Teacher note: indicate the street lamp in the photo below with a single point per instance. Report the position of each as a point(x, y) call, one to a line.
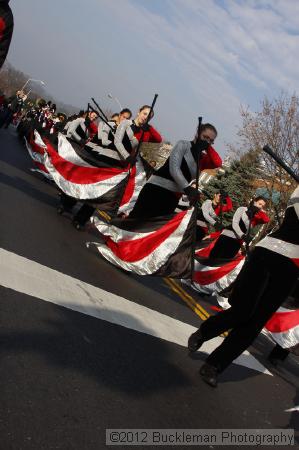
point(31, 79)
point(28, 93)
point(116, 99)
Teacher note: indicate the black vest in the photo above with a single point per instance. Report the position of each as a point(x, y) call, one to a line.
point(164, 171)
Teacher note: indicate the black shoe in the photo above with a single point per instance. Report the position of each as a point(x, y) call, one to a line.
point(278, 355)
point(195, 341)
point(77, 225)
point(209, 374)
point(274, 361)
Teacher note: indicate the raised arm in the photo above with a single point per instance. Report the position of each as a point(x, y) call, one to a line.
point(103, 134)
point(175, 162)
point(119, 136)
point(261, 217)
point(236, 221)
point(208, 212)
point(71, 132)
point(66, 127)
point(155, 135)
point(210, 160)
point(228, 204)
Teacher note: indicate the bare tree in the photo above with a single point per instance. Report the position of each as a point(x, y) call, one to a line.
point(276, 124)
point(11, 79)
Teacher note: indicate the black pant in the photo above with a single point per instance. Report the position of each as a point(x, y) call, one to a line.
point(279, 353)
point(67, 202)
point(84, 213)
point(225, 248)
point(7, 118)
point(200, 233)
point(154, 201)
point(263, 284)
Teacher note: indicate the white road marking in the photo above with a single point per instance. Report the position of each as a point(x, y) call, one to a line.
point(34, 279)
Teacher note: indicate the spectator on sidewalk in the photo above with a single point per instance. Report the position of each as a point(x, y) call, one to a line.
point(15, 104)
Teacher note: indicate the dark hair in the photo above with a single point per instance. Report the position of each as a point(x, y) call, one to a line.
point(146, 107)
point(259, 197)
point(206, 126)
point(114, 115)
point(203, 127)
point(81, 113)
point(92, 111)
point(41, 103)
point(256, 199)
point(126, 110)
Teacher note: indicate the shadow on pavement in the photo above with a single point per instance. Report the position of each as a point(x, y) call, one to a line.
point(28, 189)
point(110, 354)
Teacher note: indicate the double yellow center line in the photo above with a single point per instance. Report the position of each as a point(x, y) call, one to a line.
point(175, 287)
point(104, 215)
point(189, 300)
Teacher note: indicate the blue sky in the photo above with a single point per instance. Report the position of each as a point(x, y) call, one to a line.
point(203, 57)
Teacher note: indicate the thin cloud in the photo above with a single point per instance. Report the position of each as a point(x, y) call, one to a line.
point(203, 57)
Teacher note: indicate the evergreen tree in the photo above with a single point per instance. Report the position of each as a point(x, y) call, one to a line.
point(237, 182)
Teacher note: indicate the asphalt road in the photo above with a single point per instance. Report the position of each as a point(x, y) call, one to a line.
point(66, 376)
